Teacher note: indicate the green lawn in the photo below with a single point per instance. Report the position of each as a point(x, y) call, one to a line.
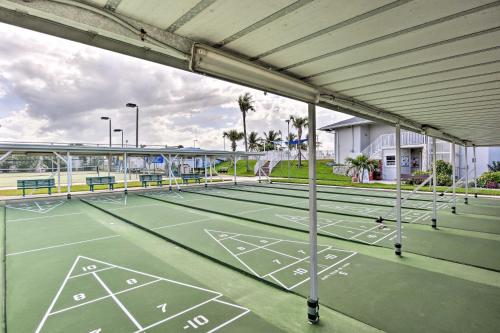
point(482, 191)
point(323, 171)
point(240, 167)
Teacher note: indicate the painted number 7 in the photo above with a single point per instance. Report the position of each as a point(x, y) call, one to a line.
point(162, 307)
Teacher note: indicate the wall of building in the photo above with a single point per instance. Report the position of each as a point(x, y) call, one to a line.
point(388, 171)
point(377, 130)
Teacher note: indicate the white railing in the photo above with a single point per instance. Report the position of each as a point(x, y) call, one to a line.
point(389, 141)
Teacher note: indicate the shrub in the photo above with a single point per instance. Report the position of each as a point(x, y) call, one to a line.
point(489, 179)
point(444, 180)
point(443, 168)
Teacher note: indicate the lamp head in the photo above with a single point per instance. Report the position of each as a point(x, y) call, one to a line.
point(117, 130)
point(131, 105)
point(104, 118)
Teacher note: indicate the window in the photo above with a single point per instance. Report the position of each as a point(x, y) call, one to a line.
point(390, 160)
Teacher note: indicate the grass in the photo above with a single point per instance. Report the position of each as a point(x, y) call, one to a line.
point(482, 191)
point(323, 171)
point(241, 169)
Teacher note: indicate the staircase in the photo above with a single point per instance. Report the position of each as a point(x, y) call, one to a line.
point(374, 150)
point(265, 169)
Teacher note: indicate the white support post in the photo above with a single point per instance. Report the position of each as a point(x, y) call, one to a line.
point(205, 167)
point(312, 301)
point(434, 183)
point(258, 165)
point(453, 176)
point(170, 172)
point(399, 237)
point(210, 163)
point(466, 199)
point(125, 172)
point(4, 156)
point(235, 161)
point(475, 174)
point(58, 176)
point(69, 168)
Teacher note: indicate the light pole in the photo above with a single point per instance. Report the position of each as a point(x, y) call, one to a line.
point(194, 143)
point(288, 145)
point(133, 105)
point(224, 138)
point(109, 158)
point(116, 130)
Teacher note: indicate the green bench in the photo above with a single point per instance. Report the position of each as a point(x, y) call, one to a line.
point(28, 184)
point(104, 180)
point(187, 176)
point(223, 170)
point(145, 179)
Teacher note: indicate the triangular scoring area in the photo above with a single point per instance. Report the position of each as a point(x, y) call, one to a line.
point(146, 299)
point(116, 199)
point(285, 262)
point(37, 206)
point(304, 220)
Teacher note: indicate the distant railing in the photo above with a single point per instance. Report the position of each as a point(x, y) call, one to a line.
point(389, 141)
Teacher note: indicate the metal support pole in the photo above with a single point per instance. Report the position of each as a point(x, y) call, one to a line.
point(258, 170)
point(110, 145)
point(235, 161)
point(58, 176)
point(399, 238)
point(454, 201)
point(125, 172)
point(475, 174)
point(466, 199)
point(137, 126)
point(170, 172)
point(205, 166)
point(68, 174)
point(434, 183)
point(313, 300)
point(210, 163)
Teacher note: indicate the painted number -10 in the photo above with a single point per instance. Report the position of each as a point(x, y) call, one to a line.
point(196, 322)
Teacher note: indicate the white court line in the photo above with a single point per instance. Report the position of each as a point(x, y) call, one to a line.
point(61, 245)
point(231, 320)
point(293, 263)
point(378, 240)
point(45, 316)
point(278, 281)
point(239, 240)
point(258, 247)
point(179, 224)
point(103, 297)
point(39, 210)
point(364, 232)
point(177, 314)
point(42, 217)
point(97, 270)
point(320, 272)
point(117, 301)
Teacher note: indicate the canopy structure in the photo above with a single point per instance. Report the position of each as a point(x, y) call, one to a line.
point(431, 66)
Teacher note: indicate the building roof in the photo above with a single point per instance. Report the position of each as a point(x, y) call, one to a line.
point(432, 66)
point(346, 123)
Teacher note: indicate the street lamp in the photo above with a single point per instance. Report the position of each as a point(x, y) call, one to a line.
point(194, 143)
point(108, 118)
point(133, 105)
point(116, 130)
point(224, 138)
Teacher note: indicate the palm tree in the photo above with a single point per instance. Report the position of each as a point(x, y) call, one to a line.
point(269, 138)
point(233, 136)
point(359, 164)
point(299, 123)
point(253, 141)
point(291, 137)
point(246, 104)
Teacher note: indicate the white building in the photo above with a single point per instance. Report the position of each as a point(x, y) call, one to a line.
point(355, 136)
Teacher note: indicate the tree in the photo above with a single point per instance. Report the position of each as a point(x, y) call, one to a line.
point(358, 165)
point(269, 138)
point(246, 105)
point(291, 137)
point(494, 166)
point(299, 123)
point(234, 136)
point(253, 141)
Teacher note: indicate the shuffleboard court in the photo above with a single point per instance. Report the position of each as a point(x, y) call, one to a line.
point(104, 284)
point(418, 239)
point(352, 283)
point(336, 197)
point(483, 223)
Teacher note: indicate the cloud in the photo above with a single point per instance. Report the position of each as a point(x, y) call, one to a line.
point(56, 90)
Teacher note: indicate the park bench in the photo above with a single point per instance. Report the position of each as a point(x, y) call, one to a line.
point(101, 180)
point(145, 179)
point(28, 184)
point(223, 170)
point(187, 176)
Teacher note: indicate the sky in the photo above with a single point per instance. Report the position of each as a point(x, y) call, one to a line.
point(55, 90)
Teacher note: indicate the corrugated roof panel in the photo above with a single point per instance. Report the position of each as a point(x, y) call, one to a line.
point(226, 17)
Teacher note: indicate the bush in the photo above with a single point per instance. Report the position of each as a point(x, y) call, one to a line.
point(489, 179)
point(443, 168)
point(444, 180)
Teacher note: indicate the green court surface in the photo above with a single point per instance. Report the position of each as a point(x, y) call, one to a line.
point(472, 222)
point(95, 280)
point(378, 292)
point(441, 243)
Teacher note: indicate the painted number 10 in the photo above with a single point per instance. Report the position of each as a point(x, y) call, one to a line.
point(196, 322)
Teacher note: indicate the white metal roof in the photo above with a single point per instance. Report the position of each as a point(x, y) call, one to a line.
point(431, 65)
